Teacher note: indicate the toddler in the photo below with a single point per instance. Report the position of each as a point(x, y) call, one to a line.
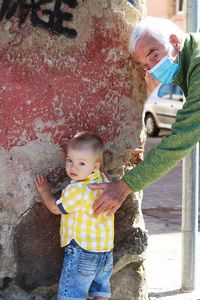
point(87, 238)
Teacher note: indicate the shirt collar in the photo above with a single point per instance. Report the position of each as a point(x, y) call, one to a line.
point(92, 177)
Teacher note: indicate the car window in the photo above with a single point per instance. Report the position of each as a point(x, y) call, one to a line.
point(177, 93)
point(170, 91)
point(165, 91)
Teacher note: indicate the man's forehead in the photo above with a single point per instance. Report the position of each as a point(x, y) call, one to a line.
point(144, 47)
point(146, 42)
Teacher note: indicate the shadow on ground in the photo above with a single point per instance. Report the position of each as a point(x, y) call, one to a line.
point(164, 294)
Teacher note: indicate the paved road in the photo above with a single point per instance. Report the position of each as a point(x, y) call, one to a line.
point(162, 214)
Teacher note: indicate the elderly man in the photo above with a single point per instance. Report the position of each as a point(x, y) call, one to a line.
point(169, 55)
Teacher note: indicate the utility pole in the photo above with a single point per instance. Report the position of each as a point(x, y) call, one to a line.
point(190, 188)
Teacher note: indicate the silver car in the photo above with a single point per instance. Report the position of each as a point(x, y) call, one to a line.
point(161, 107)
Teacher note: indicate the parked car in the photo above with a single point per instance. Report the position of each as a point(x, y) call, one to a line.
point(161, 107)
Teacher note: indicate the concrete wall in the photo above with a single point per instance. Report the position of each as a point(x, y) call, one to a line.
point(59, 77)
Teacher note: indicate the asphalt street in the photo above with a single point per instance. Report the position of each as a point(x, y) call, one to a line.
point(162, 203)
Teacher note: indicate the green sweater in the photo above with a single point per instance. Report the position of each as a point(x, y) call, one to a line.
point(186, 129)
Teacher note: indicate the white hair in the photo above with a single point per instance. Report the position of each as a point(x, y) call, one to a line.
point(159, 28)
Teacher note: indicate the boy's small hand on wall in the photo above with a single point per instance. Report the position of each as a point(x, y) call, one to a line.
point(42, 184)
point(45, 192)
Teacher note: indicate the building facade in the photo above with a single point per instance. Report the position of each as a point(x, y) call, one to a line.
point(170, 9)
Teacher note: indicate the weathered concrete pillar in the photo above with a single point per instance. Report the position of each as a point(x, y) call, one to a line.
point(64, 67)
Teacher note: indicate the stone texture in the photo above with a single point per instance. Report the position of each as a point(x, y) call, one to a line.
point(127, 279)
point(51, 87)
point(37, 250)
point(18, 195)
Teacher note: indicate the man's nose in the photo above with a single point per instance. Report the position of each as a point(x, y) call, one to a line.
point(149, 66)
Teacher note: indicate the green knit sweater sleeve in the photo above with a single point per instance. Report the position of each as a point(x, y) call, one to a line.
point(185, 134)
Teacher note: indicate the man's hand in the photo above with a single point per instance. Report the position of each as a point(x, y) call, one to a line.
point(137, 155)
point(114, 194)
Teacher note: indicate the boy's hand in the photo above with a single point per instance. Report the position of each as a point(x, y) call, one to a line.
point(46, 195)
point(42, 184)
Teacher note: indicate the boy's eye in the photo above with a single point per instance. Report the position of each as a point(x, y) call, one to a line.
point(82, 163)
point(68, 160)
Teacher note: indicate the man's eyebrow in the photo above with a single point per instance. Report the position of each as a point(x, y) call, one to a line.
point(150, 51)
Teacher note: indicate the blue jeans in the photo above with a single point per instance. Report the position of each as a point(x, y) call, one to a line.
point(85, 273)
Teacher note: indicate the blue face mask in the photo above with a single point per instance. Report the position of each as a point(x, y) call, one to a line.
point(165, 70)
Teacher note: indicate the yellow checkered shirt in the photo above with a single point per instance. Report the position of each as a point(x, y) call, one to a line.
point(92, 233)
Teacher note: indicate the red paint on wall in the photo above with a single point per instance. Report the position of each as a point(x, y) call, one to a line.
point(44, 102)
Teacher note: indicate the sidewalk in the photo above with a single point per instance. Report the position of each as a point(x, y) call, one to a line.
point(162, 214)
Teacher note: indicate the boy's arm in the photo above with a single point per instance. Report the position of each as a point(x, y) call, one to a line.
point(46, 195)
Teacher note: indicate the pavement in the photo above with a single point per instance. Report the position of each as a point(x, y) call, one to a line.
point(162, 214)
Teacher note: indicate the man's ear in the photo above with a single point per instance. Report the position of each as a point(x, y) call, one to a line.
point(176, 41)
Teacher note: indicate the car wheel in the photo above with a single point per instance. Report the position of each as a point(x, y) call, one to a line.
point(152, 128)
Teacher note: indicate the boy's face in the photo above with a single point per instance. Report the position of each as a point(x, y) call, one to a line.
point(80, 163)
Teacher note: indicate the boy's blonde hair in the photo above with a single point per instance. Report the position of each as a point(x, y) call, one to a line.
point(87, 138)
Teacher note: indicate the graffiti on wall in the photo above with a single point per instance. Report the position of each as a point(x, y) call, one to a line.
point(49, 14)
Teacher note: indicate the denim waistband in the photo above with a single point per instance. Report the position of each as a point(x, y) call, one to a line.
point(76, 245)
